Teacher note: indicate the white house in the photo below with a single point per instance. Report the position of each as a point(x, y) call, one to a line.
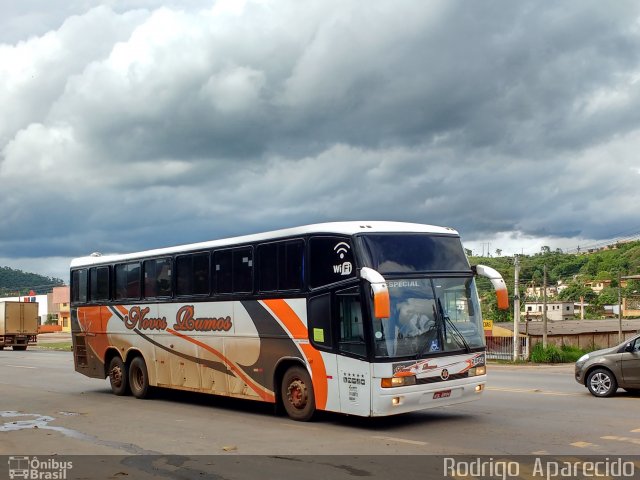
point(555, 311)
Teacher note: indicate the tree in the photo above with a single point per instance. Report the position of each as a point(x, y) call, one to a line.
point(632, 288)
point(608, 296)
point(498, 251)
point(576, 290)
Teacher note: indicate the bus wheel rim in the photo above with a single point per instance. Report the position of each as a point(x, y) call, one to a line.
point(139, 378)
point(116, 376)
point(297, 394)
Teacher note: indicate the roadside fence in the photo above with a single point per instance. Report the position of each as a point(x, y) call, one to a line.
point(501, 348)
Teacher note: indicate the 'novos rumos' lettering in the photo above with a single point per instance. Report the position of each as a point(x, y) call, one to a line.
point(185, 321)
point(137, 318)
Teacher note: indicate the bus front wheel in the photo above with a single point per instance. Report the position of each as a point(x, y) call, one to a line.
point(118, 376)
point(297, 394)
point(138, 378)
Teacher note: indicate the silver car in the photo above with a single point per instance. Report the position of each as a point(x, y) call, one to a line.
point(603, 371)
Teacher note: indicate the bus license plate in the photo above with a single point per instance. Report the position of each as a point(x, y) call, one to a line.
point(442, 394)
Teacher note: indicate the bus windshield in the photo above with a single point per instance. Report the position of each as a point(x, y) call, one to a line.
point(429, 316)
point(414, 252)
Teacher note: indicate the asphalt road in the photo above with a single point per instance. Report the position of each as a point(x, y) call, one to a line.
point(47, 408)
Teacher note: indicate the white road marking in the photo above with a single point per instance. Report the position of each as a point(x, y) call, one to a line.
point(400, 440)
point(583, 444)
point(534, 390)
point(635, 441)
point(18, 366)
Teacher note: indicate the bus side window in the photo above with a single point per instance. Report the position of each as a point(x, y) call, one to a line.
point(280, 266)
point(222, 271)
point(157, 278)
point(351, 325)
point(99, 283)
point(233, 270)
point(291, 265)
point(192, 274)
point(127, 280)
point(79, 283)
point(243, 270)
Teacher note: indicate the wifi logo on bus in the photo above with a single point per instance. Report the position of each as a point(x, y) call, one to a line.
point(342, 248)
point(344, 268)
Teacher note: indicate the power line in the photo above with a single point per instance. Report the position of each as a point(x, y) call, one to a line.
point(605, 243)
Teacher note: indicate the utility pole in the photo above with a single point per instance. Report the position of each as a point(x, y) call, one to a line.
point(516, 310)
point(619, 310)
point(544, 309)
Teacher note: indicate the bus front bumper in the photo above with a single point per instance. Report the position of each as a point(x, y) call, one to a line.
point(392, 401)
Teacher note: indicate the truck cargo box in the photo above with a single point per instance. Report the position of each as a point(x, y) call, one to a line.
point(18, 324)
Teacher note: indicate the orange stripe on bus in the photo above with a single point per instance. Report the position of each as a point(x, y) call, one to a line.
point(298, 330)
point(259, 389)
point(287, 316)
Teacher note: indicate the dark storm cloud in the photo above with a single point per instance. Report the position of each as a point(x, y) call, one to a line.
point(147, 124)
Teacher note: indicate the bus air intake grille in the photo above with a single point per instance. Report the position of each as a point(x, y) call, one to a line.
point(81, 352)
point(458, 376)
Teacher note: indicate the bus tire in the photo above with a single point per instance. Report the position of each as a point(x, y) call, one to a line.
point(138, 378)
point(118, 376)
point(297, 394)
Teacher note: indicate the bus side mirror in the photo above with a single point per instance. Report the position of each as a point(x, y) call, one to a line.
point(497, 282)
point(379, 292)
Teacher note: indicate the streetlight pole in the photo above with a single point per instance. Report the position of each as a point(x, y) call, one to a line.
point(516, 310)
point(544, 309)
point(619, 309)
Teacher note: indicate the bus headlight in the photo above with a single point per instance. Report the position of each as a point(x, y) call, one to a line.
point(481, 370)
point(398, 381)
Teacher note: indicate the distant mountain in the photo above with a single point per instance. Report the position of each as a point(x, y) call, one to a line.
point(16, 282)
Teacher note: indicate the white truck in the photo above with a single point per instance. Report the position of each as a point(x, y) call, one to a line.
point(18, 324)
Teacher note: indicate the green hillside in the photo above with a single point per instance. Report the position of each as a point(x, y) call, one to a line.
point(16, 282)
point(573, 270)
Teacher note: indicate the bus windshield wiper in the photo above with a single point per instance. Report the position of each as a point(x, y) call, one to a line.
point(453, 327)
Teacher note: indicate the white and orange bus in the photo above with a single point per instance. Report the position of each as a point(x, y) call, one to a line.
point(362, 318)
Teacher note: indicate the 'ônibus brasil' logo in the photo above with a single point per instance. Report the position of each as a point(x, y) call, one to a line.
point(186, 321)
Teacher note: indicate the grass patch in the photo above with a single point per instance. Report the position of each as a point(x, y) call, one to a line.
point(555, 354)
point(62, 346)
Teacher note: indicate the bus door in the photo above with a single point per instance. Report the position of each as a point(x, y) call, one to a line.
point(354, 373)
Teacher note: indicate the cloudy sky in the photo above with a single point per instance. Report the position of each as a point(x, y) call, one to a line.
point(135, 124)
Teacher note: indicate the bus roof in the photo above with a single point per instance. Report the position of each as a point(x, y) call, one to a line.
point(339, 228)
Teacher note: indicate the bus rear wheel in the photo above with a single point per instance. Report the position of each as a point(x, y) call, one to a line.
point(297, 394)
point(118, 376)
point(139, 378)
